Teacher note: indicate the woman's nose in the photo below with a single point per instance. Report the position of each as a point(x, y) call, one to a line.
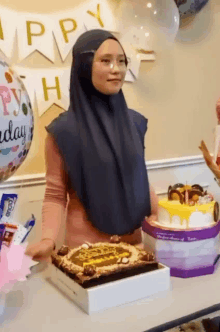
point(114, 66)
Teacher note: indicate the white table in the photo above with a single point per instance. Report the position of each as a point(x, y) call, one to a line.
point(37, 306)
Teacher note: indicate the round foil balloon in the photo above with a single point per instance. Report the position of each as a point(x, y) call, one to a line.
point(149, 25)
point(189, 8)
point(16, 122)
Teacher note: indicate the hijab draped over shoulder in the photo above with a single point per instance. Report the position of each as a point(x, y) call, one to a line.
point(102, 144)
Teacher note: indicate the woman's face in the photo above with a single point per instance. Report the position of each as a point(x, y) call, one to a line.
point(109, 68)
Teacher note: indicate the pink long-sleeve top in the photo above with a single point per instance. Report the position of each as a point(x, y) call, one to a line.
point(62, 207)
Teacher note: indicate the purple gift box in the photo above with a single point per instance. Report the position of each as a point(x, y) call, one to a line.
point(188, 253)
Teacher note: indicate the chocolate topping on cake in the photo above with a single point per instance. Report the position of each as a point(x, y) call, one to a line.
point(169, 188)
point(194, 194)
point(89, 270)
point(115, 239)
point(56, 260)
point(119, 260)
point(186, 194)
point(175, 195)
point(198, 187)
point(216, 211)
point(177, 186)
point(148, 257)
point(63, 251)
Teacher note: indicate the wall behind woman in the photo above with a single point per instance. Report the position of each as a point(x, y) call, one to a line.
point(177, 92)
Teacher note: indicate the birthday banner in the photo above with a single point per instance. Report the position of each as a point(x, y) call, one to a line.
point(35, 31)
point(49, 86)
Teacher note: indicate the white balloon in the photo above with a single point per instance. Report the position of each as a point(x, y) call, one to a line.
point(148, 24)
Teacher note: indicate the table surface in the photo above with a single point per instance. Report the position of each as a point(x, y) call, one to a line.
point(36, 305)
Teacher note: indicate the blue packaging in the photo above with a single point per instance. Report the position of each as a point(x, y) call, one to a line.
point(7, 206)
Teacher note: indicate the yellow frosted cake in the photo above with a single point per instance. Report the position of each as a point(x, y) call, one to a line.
point(187, 207)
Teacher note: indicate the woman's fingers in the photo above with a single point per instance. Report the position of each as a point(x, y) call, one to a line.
point(40, 251)
point(32, 250)
point(40, 258)
point(152, 217)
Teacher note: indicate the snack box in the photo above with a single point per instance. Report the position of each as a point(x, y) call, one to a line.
point(114, 293)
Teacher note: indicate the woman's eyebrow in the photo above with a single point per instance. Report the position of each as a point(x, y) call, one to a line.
point(108, 54)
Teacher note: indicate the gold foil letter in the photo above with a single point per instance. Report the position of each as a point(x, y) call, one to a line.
point(57, 87)
point(29, 34)
point(64, 31)
point(1, 31)
point(97, 15)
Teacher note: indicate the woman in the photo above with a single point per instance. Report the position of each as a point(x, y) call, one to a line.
point(95, 167)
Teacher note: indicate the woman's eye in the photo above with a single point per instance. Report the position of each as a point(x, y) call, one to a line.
point(106, 60)
point(122, 61)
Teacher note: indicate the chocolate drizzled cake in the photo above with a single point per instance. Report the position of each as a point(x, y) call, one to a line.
point(95, 264)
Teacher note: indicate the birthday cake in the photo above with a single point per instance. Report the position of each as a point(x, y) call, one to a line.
point(95, 264)
point(187, 207)
point(186, 235)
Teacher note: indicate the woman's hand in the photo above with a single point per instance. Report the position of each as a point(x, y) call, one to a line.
point(152, 217)
point(154, 205)
point(41, 251)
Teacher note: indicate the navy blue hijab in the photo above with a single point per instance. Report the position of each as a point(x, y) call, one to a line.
point(102, 144)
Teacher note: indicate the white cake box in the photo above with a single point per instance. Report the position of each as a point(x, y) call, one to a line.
point(113, 293)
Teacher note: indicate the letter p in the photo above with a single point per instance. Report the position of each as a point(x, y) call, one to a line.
point(6, 98)
point(31, 34)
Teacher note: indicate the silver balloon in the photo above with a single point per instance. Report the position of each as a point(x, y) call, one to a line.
point(148, 24)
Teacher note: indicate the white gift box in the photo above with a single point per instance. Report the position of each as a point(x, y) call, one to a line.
point(114, 293)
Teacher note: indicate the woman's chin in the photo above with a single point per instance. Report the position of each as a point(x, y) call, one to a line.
point(113, 91)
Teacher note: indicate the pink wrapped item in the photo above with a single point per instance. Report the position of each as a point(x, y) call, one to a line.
point(14, 266)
